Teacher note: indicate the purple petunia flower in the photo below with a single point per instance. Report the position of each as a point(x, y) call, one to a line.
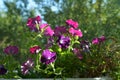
point(24, 69)
point(2, 70)
point(35, 49)
point(26, 66)
point(31, 23)
point(72, 23)
point(85, 45)
point(98, 40)
point(63, 41)
point(11, 50)
point(48, 57)
point(77, 52)
point(59, 30)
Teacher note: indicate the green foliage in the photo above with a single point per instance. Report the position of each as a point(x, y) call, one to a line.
point(95, 18)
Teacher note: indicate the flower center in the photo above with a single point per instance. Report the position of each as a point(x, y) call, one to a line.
point(61, 41)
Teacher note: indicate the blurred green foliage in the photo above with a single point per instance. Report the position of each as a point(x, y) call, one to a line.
point(95, 18)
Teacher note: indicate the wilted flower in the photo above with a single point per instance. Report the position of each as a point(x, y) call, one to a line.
point(48, 57)
point(59, 30)
point(102, 38)
point(35, 49)
point(72, 23)
point(75, 32)
point(77, 52)
point(63, 41)
point(26, 66)
point(11, 50)
point(2, 70)
point(50, 42)
point(31, 23)
point(24, 69)
point(85, 45)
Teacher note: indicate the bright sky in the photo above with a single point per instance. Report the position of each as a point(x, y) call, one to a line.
point(31, 5)
point(1, 5)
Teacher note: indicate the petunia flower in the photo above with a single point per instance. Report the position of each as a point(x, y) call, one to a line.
point(50, 42)
point(72, 31)
point(85, 45)
point(98, 40)
point(35, 49)
point(31, 23)
point(48, 31)
point(95, 41)
point(59, 30)
point(2, 70)
point(77, 52)
point(26, 66)
point(78, 33)
point(42, 26)
point(63, 41)
point(102, 38)
point(11, 50)
point(72, 23)
point(24, 69)
point(48, 57)
point(75, 32)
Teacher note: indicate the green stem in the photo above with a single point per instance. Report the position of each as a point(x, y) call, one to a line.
point(98, 50)
point(52, 65)
point(37, 62)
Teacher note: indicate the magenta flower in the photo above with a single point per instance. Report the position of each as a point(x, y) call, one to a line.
point(48, 57)
point(35, 49)
point(26, 66)
point(48, 31)
point(78, 33)
point(42, 26)
point(59, 30)
point(63, 41)
point(75, 32)
point(31, 23)
point(98, 40)
point(95, 41)
point(2, 70)
point(77, 52)
point(72, 31)
point(72, 23)
point(11, 50)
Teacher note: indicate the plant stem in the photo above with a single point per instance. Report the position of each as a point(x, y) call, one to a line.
point(37, 63)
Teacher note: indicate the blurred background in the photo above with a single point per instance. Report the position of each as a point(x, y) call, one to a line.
point(95, 18)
